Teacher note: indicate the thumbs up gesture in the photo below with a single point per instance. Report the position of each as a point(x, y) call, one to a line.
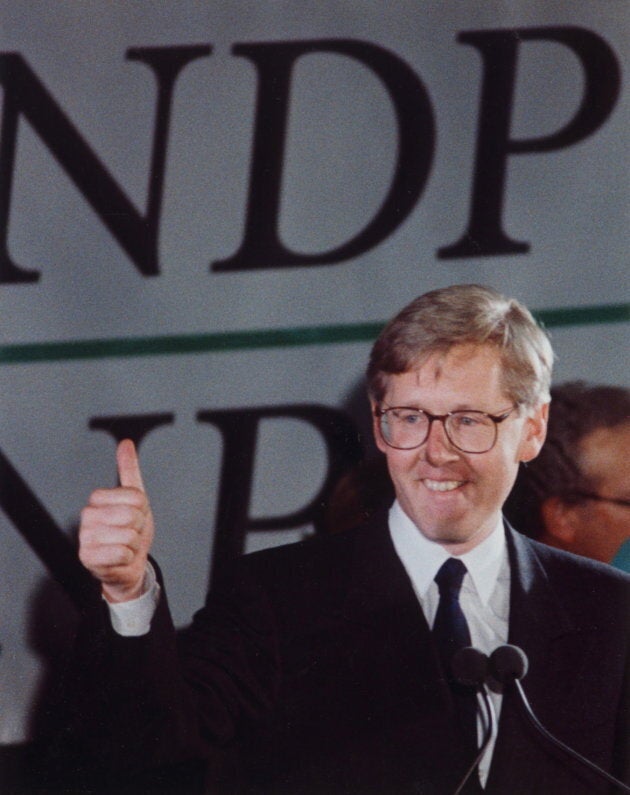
point(117, 530)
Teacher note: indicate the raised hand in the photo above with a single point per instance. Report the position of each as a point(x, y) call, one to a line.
point(117, 530)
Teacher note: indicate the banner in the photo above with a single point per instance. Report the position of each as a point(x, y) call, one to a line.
point(208, 210)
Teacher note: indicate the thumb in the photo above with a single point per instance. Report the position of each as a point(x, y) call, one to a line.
point(128, 465)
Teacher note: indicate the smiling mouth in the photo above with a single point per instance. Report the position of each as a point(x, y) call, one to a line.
point(442, 485)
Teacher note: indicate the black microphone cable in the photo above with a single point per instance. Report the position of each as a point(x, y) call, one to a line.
point(508, 665)
point(470, 669)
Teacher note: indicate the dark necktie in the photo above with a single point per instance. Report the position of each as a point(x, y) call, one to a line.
point(451, 633)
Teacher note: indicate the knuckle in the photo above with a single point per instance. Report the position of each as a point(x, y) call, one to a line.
point(98, 496)
point(135, 497)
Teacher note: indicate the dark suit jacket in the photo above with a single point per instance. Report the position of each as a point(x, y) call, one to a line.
point(316, 673)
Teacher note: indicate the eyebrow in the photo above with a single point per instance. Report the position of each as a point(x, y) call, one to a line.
point(458, 407)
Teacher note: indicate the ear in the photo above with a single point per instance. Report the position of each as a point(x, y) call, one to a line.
point(534, 432)
point(557, 517)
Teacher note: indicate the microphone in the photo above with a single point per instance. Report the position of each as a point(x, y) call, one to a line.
point(469, 667)
point(508, 664)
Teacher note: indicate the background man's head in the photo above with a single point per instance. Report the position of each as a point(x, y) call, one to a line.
point(576, 494)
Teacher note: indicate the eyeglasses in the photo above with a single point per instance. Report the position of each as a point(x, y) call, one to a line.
point(406, 428)
point(589, 495)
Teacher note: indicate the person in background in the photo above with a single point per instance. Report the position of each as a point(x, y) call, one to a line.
point(575, 495)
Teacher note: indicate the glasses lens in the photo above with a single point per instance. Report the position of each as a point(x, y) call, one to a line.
point(471, 431)
point(404, 428)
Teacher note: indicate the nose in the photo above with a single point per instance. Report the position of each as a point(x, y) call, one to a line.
point(438, 450)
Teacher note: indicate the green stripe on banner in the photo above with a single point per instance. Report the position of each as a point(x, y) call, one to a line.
point(269, 338)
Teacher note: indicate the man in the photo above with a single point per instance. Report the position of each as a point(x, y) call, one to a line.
point(324, 668)
point(576, 494)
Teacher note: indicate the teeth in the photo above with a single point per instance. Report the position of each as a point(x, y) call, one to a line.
point(442, 485)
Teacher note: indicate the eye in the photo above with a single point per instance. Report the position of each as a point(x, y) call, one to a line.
point(407, 417)
point(471, 420)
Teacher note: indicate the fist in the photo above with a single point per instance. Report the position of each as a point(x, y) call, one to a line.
point(116, 530)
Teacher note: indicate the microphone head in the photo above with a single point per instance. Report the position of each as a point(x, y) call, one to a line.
point(469, 666)
point(508, 663)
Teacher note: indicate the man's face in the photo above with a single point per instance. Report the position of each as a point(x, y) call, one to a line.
point(455, 498)
point(601, 527)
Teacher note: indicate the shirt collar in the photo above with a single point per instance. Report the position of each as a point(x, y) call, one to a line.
point(422, 558)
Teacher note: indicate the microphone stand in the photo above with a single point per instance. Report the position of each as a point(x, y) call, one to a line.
point(559, 744)
point(508, 665)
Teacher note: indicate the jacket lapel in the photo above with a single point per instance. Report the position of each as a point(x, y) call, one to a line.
point(382, 605)
point(381, 598)
point(539, 624)
point(537, 615)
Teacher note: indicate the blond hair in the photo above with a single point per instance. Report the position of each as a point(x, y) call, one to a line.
point(466, 314)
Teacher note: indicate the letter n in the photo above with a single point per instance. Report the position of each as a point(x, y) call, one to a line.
point(24, 94)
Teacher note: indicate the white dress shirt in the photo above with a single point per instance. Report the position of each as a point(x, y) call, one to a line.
point(133, 618)
point(484, 595)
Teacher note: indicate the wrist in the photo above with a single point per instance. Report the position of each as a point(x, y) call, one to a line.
point(133, 618)
point(115, 594)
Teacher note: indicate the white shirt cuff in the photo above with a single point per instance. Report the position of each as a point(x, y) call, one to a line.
point(133, 618)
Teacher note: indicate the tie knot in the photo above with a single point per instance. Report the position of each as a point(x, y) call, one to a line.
point(449, 577)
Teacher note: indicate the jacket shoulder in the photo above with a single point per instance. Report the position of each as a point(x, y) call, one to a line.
point(594, 592)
